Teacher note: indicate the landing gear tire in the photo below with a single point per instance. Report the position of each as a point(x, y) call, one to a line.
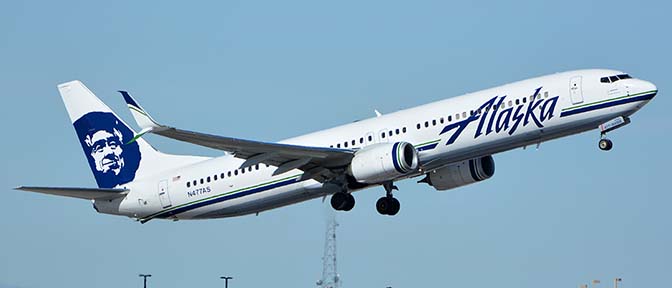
point(388, 206)
point(342, 201)
point(350, 203)
point(605, 144)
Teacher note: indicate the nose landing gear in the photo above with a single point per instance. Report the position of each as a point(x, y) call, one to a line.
point(613, 124)
point(605, 144)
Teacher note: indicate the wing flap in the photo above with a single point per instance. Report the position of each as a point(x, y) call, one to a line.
point(81, 193)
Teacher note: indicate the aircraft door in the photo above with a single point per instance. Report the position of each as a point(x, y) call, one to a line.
point(575, 90)
point(163, 194)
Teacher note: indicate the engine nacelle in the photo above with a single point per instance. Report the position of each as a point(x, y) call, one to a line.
point(383, 162)
point(461, 173)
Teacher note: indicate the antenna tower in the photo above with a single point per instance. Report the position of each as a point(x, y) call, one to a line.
point(330, 277)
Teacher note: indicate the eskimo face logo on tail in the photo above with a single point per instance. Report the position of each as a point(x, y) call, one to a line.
point(495, 118)
point(103, 138)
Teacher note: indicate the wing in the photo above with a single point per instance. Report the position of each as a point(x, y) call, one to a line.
point(82, 193)
point(318, 163)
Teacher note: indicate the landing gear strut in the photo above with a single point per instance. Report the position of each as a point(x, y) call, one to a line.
point(388, 205)
point(342, 201)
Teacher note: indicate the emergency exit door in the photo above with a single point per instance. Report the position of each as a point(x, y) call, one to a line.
point(163, 194)
point(575, 90)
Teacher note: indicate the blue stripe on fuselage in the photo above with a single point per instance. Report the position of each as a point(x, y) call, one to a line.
point(224, 198)
point(608, 104)
point(427, 147)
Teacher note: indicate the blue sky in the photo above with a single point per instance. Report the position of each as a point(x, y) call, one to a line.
point(557, 217)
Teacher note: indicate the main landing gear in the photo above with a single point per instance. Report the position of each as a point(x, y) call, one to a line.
point(388, 205)
point(342, 201)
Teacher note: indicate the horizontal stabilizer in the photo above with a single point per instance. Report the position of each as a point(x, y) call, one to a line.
point(82, 193)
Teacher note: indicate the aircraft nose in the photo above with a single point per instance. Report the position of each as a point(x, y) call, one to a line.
point(651, 87)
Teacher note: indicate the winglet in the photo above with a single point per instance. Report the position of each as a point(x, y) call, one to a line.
point(146, 122)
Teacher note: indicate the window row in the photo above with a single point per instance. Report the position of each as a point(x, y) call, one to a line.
point(369, 138)
point(465, 114)
point(222, 175)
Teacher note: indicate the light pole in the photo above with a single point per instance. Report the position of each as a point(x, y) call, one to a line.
point(144, 276)
point(226, 280)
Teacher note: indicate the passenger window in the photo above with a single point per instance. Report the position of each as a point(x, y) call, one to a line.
point(353, 142)
point(426, 124)
point(471, 113)
point(464, 114)
point(235, 172)
point(256, 166)
point(188, 184)
point(403, 130)
point(370, 138)
point(418, 126)
point(202, 181)
point(545, 94)
point(434, 122)
point(450, 118)
point(441, 120)
point(338, 145)
point(457, 116)
point(221, 176)
point(228, 173)
point(215, 177)
point(517, 102)
point(345, 144)
point(525, 100)
point(396, 131)
point(382, 135)
point(194, 183)
point(331, 146)
point(242, 171)
point(361, 140)
point(249, 169)
point(604, 79)
point(390, 132)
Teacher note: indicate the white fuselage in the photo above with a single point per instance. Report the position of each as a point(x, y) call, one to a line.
point(528, 112)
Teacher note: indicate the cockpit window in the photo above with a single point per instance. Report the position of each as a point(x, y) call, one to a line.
point(612, 79)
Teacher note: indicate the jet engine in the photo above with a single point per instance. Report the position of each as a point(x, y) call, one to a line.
point(383, 162)
point(461, 173)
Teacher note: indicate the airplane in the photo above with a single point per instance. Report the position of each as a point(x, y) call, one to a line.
point(446, 144)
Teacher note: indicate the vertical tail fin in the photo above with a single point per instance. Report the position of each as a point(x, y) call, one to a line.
point(106, 140)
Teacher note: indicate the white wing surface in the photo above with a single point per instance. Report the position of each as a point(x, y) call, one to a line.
point(317, 162)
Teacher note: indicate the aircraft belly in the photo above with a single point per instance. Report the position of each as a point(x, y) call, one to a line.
point(266, 200)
